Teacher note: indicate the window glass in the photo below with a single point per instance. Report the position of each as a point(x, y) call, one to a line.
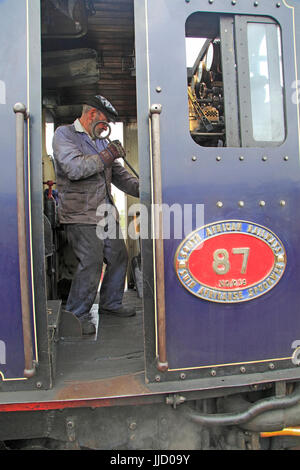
point(193, 46)
point(266, 82)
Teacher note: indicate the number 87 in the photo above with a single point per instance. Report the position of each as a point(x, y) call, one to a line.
point(221, 264)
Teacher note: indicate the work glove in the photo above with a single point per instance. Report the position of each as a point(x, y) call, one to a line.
point(113, 151)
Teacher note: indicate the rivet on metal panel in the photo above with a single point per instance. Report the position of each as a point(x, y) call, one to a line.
point(219, 204)
point(233, 2)
point(210, 2)
point(182, 376)
point(187, 1)
point(132, 425)
point(282, 203)
point(256, 4)
point(278, 4)
point(163, 429)
point(194, 158)
point(271, 366)
point(157, 378)
point(285, 158)
point(242, 158)
point(158, 89)
point(218, 158)
point(241, 203)
point(70, 424)
point(70, 428)
point(264, 158)
point(243, 369)
point(213, 373)
point(262, 203)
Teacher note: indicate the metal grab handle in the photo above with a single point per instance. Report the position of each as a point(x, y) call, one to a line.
point(106, 137)
point(21, 115)
point(162, 363)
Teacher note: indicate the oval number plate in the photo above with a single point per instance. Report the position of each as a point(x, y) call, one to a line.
point(230, 261)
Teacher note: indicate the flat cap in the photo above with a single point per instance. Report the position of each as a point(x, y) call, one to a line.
point(102, 104)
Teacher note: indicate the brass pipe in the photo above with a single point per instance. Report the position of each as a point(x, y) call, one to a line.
point(162, 363)
point(21, 115)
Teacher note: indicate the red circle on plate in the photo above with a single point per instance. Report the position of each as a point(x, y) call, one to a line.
point(231, 261)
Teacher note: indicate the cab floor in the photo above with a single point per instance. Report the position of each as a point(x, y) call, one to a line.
point(116, 349)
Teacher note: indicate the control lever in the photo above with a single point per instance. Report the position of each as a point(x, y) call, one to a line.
point(106, 137)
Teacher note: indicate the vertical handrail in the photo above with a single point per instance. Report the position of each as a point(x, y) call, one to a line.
point(21, 115)
point(162, 363)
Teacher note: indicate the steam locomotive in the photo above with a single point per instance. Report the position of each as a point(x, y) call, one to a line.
point(208, 94)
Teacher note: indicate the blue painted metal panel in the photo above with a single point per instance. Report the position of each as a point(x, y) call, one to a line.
point(13, 88)
point(201, 333)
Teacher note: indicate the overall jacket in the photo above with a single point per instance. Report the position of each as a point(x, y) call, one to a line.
point(82, 181)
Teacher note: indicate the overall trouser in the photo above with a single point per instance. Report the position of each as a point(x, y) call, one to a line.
point(91, 251)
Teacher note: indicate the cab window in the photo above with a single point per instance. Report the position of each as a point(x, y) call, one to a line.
point(235, 82)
